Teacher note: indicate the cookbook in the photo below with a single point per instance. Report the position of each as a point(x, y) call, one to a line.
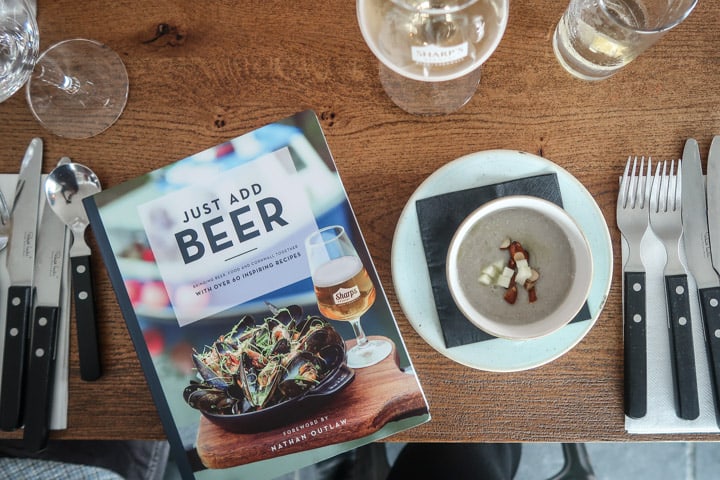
point(258, 317)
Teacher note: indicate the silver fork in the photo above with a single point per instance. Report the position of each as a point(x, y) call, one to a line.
point(632, 220)
point(666, 223)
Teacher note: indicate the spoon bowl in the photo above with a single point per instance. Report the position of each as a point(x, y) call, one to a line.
point(65, 188)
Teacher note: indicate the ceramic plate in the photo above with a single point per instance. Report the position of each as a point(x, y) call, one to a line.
point(412, 281)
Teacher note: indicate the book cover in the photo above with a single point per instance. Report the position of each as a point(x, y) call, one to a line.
point(258, 317)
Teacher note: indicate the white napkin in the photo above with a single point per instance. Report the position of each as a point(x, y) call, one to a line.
point(58, 417)
point(661, 417)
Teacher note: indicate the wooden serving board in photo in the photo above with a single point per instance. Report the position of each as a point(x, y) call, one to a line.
point(377, 395)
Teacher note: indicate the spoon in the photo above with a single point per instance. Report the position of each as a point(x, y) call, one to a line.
point(65, 187)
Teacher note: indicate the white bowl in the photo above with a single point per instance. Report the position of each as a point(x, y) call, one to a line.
point(557, 248)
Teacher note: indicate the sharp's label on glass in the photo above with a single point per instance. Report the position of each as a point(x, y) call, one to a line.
point(434, 55)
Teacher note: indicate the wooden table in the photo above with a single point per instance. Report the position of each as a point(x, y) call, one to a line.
point(204, 72)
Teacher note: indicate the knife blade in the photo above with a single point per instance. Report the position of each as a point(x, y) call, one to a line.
point(713, 199)
point(707, 279)
point(49, 260)
point(20, 264)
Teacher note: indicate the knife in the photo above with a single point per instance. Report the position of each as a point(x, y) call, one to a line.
point(20, 263)
point(708, 282)
point(695, 229)
point(49, 260)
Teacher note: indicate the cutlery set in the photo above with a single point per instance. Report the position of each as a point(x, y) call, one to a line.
point(36, 255)
point(671, 202)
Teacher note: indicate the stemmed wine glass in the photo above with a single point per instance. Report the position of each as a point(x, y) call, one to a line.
point(19, 44)
point(77, 88)
point(344, 290)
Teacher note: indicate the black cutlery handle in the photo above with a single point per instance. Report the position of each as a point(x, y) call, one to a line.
point(634, 328)
point(710, 305)
point(681, 347)
point(41, 360)
point(85, 318)
point(19, 303)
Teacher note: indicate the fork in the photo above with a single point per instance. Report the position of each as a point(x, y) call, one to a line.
point(632, 220)
point(666, 223)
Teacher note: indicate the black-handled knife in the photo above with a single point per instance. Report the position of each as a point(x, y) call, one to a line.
point(706, 263)
point(49, 263)
point(681, 344)
point(13, 375)
point(710, 308)
point(20, 264)
point(40, 378)
point(635, 348)
point(698, 251)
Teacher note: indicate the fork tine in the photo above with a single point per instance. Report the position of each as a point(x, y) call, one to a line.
point(672, 201)
point(623, 194)
point(671, 185)
point(624, 181)
point(633, 185)
point(664, 187)
point(656, 189)
point(648, 182)
point(642, 191)
point(667, 186)
point(678, 186)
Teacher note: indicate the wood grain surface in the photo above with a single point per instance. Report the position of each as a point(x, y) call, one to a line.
point(204, 72)
point(377, 395)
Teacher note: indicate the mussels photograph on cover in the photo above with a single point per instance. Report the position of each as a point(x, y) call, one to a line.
point(260, 375)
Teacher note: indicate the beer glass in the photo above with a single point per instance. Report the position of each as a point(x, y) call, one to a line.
point(344, 290)
point(430, 51)
point(596, 38)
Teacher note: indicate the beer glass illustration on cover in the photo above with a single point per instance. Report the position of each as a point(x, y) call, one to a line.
point(344, 290)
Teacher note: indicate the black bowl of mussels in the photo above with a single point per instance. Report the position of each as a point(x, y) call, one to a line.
point(261, 375)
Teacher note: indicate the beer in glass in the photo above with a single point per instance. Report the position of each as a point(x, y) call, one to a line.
point(344, 290)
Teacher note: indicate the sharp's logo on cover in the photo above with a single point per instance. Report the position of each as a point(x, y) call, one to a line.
point(346, 295)
point(249, 215)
